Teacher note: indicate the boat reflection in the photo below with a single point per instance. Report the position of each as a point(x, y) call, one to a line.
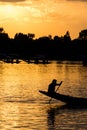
point(53, 114)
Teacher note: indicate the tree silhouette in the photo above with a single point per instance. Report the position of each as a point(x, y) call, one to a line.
point(67, 37)
point(83, 34)
point(1, 30)
point(56, 48)
point(31, 35)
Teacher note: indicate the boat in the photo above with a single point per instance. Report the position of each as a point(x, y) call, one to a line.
point(70, 100)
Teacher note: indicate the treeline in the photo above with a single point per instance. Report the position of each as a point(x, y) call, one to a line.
point(27, 46)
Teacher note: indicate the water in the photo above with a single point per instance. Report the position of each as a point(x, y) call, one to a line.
point(22, 107)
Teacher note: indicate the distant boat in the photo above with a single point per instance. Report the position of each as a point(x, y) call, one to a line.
point(70, 100)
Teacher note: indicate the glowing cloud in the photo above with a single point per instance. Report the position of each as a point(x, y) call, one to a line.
point(50, 16)
point(11, 0)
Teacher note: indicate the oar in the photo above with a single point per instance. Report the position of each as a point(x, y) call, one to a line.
point(56, 90)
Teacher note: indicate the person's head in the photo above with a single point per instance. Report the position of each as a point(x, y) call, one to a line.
point(54, 81)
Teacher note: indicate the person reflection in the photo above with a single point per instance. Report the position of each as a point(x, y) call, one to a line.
point(51, 119)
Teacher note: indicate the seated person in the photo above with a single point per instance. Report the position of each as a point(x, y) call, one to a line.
point(52, 85)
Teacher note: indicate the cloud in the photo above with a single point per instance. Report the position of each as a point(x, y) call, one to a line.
point(37, 0)
point(12, 0)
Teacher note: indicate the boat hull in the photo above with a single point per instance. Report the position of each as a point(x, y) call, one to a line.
point(66, 99)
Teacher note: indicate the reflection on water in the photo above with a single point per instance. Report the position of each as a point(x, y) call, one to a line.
point(22, 107)
point(64, 117)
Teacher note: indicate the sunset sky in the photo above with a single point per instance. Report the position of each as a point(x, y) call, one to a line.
point(43, 17)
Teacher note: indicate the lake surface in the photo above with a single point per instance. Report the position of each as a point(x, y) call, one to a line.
point(22, 107)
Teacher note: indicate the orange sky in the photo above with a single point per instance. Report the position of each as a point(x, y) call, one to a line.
point(43, 17)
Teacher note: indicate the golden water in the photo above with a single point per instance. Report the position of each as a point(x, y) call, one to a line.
point(22, 107)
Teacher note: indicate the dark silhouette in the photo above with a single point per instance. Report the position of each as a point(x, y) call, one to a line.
point(52, 85)
point(54, 112)
point(51, 119)
point(56, 48)
point(69, 100)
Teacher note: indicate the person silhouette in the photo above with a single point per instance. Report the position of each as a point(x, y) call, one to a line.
point(52, 86)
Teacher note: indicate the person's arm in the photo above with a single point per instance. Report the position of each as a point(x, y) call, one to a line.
point(59, 83)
